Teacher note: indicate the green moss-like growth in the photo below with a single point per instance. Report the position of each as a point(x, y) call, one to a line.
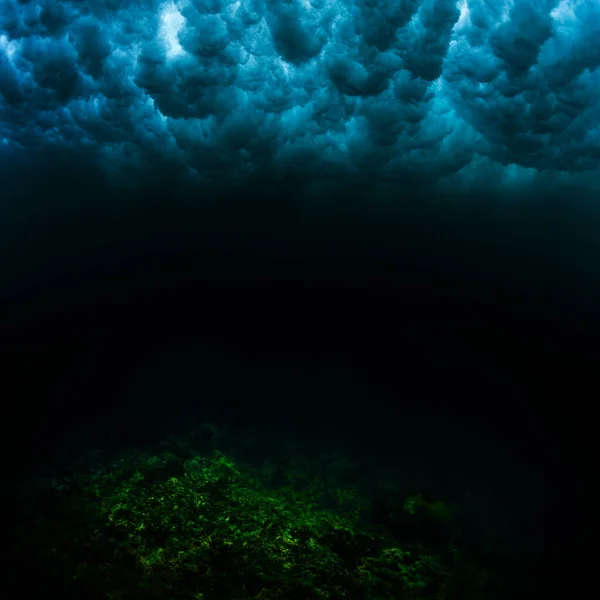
point(201, 527)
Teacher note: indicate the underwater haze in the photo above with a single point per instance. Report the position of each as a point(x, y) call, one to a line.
point(299, 298)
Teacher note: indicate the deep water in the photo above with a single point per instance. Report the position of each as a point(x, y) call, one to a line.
point(449, 346)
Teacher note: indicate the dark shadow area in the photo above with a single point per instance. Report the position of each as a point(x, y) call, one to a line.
point(465, 340)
